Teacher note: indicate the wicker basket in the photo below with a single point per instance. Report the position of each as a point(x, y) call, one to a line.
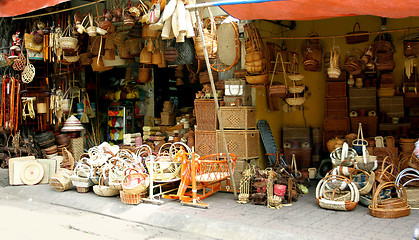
point(131, 198)
point(333, 204)
point(395, 208)
point(257, 79)
point(239, 117)
point(61, 180)
point(104, 191)
point(386, 173)
point(206, 115)
point(134, 181)
point(68, 43)
point(295, 101)
point(82, 189)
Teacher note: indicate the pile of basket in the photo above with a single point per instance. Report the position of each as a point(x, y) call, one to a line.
point(256, 62)
point(46, 141)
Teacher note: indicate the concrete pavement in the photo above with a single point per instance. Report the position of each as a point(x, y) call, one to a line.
point(225, 219)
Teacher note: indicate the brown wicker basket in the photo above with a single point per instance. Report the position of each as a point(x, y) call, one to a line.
point(392, 208)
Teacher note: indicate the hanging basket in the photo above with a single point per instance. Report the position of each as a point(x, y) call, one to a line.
point(257, 79)
point(295, 101)
point(357, 36)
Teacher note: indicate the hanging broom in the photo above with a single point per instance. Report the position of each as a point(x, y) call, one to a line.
point(89, 110)
point(84, 118)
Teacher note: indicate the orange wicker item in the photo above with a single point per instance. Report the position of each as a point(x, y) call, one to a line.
point(389, 208)
point(131, 198)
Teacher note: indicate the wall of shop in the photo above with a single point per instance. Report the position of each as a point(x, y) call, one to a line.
point(313, 113)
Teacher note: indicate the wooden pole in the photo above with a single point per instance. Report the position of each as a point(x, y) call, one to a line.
point(217, 106)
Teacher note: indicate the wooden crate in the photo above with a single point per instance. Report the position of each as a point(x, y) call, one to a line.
point(243, 117)
point(205, 142)
point(369, 125)
point(336, 107)
point(336, 124)
point(363, 98)
point(302, 157)
point(206, 114)
point(243, 143)
point(336, 89)
point(392, 106)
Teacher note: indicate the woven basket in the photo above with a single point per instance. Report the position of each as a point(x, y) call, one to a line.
point(257, 79)
point(295, 101)
point(68, 43)
point(134, 181)
point(61, 180)
point(387, 172)
point(395, 208)
point(363, 180)
point(131, 198)
point(104, 191)
point(82, 189)
point(210, 36)
point(333, 204)
point(357, 36)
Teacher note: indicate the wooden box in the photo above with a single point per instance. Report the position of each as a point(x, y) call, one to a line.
point(206, 114)
point(369, 125)
point(336, 107)
point(336, 89)
point(302, 156)
point(336, 124)
point(363, 98)
point(243, 143)
point(392, 106)
point(243, 117)
point(205, 142)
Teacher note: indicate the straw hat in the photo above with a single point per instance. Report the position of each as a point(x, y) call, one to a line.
point(72, 124)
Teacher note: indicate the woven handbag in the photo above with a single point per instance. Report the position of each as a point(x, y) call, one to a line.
point(331, 203)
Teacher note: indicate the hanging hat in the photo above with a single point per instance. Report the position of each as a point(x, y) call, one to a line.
point(72, 125)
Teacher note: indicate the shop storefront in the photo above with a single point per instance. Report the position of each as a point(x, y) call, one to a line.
point(144, 96)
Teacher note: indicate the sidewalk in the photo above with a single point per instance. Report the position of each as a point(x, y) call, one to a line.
point(226, 219)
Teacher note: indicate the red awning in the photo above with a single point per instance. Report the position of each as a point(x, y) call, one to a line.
point(319, 9)
point(11, 8)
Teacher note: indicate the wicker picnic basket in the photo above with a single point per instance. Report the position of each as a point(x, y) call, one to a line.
point(392, 207)
point(331, 203)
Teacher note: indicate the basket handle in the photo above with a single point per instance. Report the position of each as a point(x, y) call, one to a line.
point(360, 133)
point(359, 27)
point(361, 171)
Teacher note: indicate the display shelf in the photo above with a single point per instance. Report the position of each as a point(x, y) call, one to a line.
point(120, 122)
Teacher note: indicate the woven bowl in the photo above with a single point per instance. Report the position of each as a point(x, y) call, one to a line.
point(296, 77)
point(296, 89)
point(295, 101)
point(68, 43)
point(257, 79)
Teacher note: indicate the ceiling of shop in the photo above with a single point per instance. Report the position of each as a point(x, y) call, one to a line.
point(311, 10)
point(11, 8)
